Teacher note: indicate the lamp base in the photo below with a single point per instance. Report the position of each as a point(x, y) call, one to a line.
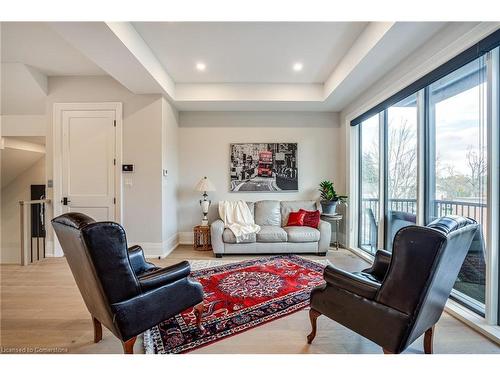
point(205, 204)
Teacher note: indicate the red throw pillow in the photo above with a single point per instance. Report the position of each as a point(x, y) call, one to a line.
point(311, 218)
point(296, 219)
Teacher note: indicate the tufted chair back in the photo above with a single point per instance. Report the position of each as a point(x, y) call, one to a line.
point(424, 266)
point(97, 255)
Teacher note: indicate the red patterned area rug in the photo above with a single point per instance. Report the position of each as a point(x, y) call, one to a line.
point(239, 296)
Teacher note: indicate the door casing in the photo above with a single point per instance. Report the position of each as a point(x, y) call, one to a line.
point(58, 110)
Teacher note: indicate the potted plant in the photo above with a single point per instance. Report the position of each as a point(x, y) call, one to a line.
point(329, 197)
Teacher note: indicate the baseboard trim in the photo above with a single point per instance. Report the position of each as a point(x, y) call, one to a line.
point(186, 238)
point(49, 250)
point(170, 244)
point(158, 249)
point(362, 254)
point(151, 249)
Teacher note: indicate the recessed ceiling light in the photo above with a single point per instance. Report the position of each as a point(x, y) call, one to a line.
point(297, 67)
point(200, 66)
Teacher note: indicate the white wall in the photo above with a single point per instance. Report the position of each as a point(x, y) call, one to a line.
point(23, 125)
point(170, 139)
point(142, 146)
point(17, 190)
point(23, 90)
point(204, 139)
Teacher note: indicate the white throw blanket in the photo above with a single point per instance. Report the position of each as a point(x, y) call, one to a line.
point(238, 218)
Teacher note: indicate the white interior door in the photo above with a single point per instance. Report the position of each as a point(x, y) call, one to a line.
point(88, 163)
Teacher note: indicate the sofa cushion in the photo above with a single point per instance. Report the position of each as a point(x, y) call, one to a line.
point(271, 233)
point(289, 206)
point(296, 219)
point(312, 218)
point(267, 213)
point(229, 237)
point(302, 234)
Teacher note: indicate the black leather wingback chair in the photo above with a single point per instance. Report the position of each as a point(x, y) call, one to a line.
point(121, 290)
point(403, 294)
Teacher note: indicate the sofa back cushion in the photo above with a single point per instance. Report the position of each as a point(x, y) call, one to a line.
point(289, 206)
point(267, 213)
point(213, 211)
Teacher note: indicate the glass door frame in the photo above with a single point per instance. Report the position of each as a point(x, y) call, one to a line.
point(425, 138)
point(492, 310)
point(430, 176)
point(359, 188)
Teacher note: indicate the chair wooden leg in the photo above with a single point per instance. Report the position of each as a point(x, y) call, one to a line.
point(428, 340)
point(198, 312)
point(128, 346)
point(97, 330)
point(313, 316)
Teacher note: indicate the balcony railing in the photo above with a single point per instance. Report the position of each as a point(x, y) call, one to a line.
point(370, 209)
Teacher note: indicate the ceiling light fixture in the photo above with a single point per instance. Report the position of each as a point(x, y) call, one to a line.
point(200, 66)
point(297, 67)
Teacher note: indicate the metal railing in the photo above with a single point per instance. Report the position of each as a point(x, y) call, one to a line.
point(370, 210)
point(32, 214)
point(474, 210)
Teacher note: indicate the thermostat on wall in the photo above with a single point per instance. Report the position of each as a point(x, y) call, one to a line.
point(127, 167)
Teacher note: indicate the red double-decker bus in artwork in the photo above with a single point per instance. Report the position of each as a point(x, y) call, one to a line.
point(265, 168)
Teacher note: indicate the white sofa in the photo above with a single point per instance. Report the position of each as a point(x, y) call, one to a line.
point(274, 236)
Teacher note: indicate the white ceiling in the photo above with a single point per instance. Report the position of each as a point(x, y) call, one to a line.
point(248, 65)
point(249, 52)
point(37, 45)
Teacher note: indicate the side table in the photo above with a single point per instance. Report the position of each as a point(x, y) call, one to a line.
point(335, 219)
point(201, 235)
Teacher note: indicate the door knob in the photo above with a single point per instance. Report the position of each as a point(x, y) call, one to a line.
point(65, 201)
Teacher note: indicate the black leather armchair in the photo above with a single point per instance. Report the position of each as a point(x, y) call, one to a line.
point(121, 290)
point(403, 294)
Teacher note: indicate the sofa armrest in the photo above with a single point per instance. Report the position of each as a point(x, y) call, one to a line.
point(157, 278)
point(353, 283)
point(216, 230)
point(380, 264)
point(325, 236)
point(137, 260)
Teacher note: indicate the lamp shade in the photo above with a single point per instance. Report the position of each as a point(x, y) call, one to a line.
point(204, 185)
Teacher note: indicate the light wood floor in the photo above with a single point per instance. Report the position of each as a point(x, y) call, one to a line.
point(42, 310)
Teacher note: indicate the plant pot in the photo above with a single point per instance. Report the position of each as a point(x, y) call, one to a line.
point(329, 207)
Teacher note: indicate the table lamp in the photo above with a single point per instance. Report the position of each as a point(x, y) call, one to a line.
point(204, 185)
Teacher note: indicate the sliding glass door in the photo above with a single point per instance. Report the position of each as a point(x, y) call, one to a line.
point(457, 177)
point(401, 169)
point(369, 184)
point(430, 155)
